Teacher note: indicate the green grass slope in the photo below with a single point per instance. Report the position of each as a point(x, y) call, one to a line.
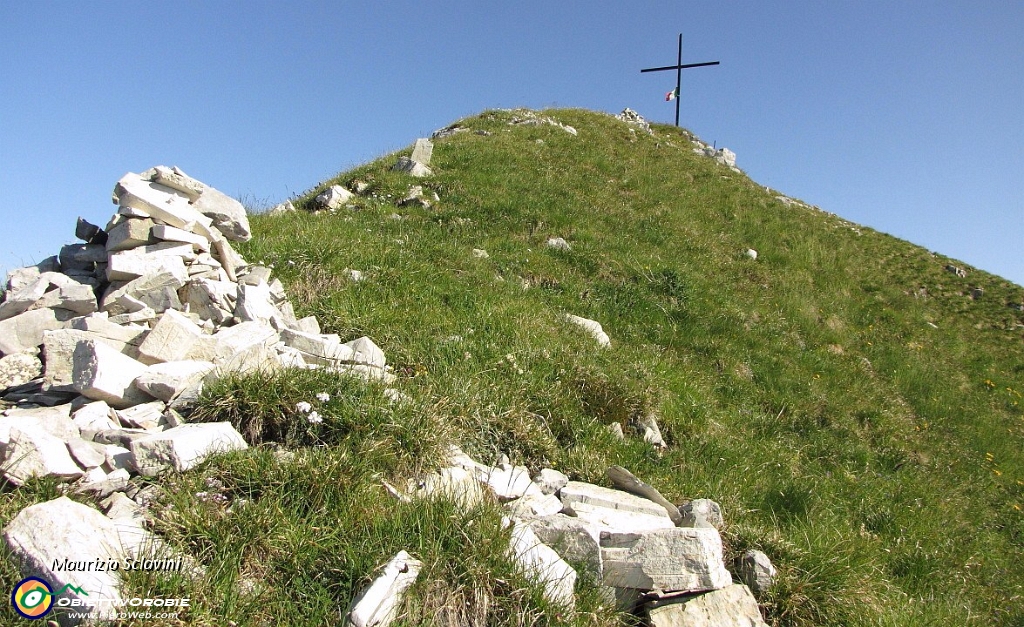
point(855, 411)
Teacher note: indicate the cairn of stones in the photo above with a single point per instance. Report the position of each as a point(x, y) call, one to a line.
point(104, 348)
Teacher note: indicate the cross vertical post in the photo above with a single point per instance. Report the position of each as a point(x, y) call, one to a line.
point(679, 76)
point(678, 67)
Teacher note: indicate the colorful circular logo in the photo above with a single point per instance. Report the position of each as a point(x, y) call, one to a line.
point(32, 598)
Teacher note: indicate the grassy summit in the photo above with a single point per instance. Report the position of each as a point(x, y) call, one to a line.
point(857, 413)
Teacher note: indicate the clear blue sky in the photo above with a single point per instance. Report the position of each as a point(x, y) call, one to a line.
point(904, 116)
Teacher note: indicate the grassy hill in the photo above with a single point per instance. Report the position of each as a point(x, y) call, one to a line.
point(855, 407)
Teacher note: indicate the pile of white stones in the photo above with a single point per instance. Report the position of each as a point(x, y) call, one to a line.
point(120, 333)
point(104, 347)
point(646, 554)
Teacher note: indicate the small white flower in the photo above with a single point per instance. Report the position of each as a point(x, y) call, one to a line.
point(323, 397)
point(303, 407)
point(314, 418)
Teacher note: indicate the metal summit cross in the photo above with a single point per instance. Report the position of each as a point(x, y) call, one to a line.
point(678, 67)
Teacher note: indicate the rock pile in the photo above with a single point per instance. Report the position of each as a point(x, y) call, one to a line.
point(722, 155)
point(417, 164)
point(646, 554)
point(105, 346)
point(633, 118)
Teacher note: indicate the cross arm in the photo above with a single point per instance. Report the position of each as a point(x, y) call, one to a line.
point(679, 67)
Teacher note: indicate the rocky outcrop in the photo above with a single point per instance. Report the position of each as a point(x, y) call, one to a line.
point(633, 118)
point(632, 543)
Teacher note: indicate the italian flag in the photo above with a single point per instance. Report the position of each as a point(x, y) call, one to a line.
point(672, 95)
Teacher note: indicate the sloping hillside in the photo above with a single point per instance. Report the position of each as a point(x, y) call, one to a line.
point(854, 409)
point(853, 404)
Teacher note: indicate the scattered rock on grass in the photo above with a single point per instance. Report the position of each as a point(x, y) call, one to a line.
point(756, 570)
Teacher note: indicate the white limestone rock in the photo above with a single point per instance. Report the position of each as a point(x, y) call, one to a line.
point(167, 380)
point(454, 483)
point(701, 513)
point(725, 157)
point(94, 417)
point(413, 168)
point(54, 420)
point(255, 304)
point(542, 564)
point(210, 299)
point(255, 275)
point(146, 260)
point(284, 207)
point(228, 215)
point(633, 118)
point(171, 339)
point(119, 506)
point(142, 416)
point(593, 328)
point(22, 300)
point(184, 447)
point(319, 348)
point(617, 520)
point(652, 432)
point(48, 539)
point(365, 372)
point(163, 203)
point(364, 351)
point(574, 540)
point(334, 197)
point(378, 605)
point(24, 332)
point(230, 342)
point(50, 290)
point(117, 458)
point(228, 258)
point(87, 454)
point(167, 233)
point(19, 368)
point(578, 492)
point(675, 559)
point(534, 504)
point(422, 151)
point(509, 482)
point(30, 451)
point(176, 180)
point(557, 243)
point(103, 374)
point(756, 570)
point(157, 290)
point(20, 277)
point(59, 350)
point(100, 325)
point(732, 606)
point(130, 233)
point(550, 481)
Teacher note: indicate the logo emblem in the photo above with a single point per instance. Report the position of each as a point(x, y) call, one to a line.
point(32, 598)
